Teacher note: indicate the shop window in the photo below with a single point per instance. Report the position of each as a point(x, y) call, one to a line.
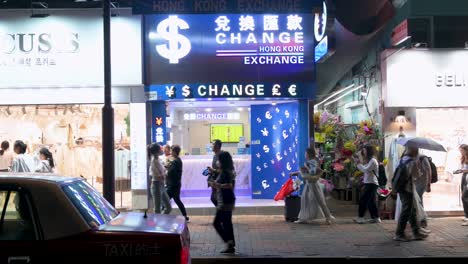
point(16, 218)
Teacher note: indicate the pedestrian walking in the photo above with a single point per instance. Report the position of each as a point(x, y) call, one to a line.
point(403, 184)
point(6, 157)
point(224, 186)
point(22, 162)
point(422, 184)
point(214, 169)
point(313, 205)
point(464, 181)
point(174, 179)
point(158, 176)
point(46, 164)
point(368, 200)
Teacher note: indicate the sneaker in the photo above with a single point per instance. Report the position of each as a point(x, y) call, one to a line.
point(375, 220)
point(424, 230)
point(401, 238)
point(187, 219)
point(465, 219)
point(301, 221)
point(230, 248)
point(331, 220)
point(419, 236)
point(465, 223)
point(360, 220)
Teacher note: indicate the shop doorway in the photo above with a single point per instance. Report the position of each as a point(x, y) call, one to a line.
point(195, 124)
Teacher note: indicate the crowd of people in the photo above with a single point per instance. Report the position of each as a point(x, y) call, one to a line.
point(19, 161)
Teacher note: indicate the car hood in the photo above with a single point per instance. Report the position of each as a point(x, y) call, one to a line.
point(153, 223)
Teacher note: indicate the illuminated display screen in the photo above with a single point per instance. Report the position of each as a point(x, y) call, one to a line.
point(230, 55)
point(227, 133)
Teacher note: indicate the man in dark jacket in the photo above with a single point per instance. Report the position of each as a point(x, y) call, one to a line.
point(174, 179)
point(213, 170)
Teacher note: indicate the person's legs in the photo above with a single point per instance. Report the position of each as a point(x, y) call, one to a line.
point(321, 201)
point(420, 190)
point(364, 201)
point(156, 193)
point(218, 224)
point(406, 205)
point(165, 200)
point(213, 197)
point(180, 204)
point(228, 227)
point(372, 202)
point(465, 201)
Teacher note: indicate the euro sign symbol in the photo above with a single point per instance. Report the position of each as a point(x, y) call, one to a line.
point(179, 46)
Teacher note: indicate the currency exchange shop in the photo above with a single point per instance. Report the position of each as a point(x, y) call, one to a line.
point(243, 78)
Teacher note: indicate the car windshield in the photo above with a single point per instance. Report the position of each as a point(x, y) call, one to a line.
point(92, 206)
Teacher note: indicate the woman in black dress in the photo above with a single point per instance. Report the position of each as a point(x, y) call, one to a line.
point(224, 186)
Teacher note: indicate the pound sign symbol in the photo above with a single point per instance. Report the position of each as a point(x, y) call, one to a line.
point(179, 46)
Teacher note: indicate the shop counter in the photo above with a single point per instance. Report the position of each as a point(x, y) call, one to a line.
point(194, 165)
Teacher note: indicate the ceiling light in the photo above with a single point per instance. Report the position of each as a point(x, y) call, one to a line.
point(343, 95)
point(335, 94)
point(401, 117)
point(208, 109)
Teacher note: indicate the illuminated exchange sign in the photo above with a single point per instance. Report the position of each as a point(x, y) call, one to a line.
point(223, 6)
point(248, 49)
point(230, 90)
point(211, 116)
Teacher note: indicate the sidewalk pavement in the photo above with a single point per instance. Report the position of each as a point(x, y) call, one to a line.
point(270, 236)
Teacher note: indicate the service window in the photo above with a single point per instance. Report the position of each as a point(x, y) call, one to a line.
point(16, 221)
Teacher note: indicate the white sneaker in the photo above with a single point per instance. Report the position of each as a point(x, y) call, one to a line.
point(331, 220)
point(301, 222)
point(375, 220)
point(465, 219)
point(360, 220)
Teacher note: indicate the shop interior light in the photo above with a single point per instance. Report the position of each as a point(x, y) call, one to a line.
point(208, 109)
point(401, 118)
point(240, 109)
point(343, 95)
point(335, 94)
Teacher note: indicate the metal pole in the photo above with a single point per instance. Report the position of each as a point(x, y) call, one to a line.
point(108, 114)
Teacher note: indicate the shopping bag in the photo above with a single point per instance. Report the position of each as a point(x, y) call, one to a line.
point(285, 190)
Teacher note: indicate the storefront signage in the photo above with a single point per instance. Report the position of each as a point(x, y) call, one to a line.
point(223, 6)
point(229, 48)
point(450, 80)
point(66, 50)
point(400, 33)
point(233, 90)
point(211, 116)
point(426, 78)
point(320, 30)
point(158, 126)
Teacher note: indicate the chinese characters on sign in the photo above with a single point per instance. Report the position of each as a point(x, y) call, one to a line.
point(158, 110)
point(277, 41)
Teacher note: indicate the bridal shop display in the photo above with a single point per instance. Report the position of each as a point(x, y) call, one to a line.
point(73, 134)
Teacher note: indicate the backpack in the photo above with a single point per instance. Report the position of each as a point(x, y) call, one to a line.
point(400, 176)
point(434, 176)
point(382, 177)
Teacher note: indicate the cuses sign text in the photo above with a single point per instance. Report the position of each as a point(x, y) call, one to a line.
point(36, 49)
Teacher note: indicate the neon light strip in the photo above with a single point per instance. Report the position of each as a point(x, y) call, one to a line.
point(260, 54)
point(237, 51)
point(343, 95)
point(335, 94)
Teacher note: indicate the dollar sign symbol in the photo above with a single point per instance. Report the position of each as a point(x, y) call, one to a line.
point(178, 46)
